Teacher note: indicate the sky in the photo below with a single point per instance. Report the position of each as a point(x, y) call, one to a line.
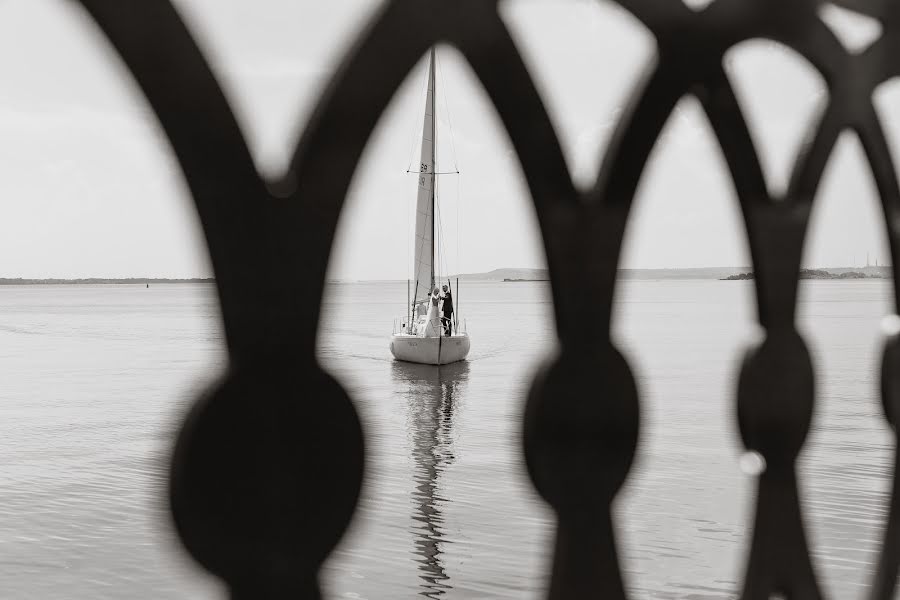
point(89, 187)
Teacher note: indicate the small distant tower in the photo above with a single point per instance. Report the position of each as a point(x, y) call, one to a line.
point(867, 259)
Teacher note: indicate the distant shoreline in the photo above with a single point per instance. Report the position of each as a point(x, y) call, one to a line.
point(99, 281)
point(517, 280)
point(836, 274)
point(506, 275)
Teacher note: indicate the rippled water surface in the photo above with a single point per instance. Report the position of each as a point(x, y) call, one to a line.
point(96, 379)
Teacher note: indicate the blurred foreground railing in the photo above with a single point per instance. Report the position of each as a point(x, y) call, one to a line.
point(269, 463)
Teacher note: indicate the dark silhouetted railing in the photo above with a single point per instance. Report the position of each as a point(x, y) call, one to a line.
point(269, 463)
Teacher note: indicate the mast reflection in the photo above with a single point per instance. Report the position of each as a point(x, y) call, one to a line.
point(432, 393)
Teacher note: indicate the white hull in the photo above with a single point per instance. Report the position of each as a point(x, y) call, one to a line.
point(430, 350)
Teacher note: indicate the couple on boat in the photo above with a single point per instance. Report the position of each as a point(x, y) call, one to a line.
point(434, 323)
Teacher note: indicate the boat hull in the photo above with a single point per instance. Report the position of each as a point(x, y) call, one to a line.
point(430, 350)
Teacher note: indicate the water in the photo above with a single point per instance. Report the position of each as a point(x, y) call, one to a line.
point(97, 378)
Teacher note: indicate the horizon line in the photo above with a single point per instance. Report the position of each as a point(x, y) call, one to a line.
point(200, 279)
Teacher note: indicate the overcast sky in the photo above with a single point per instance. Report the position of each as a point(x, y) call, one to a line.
point(89, 186)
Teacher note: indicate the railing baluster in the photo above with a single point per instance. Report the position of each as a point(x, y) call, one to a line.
point(269, 463)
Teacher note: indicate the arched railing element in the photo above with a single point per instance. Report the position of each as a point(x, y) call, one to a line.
point(268, 466)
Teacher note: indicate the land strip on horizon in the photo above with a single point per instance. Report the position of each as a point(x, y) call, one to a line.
point(99, 280)
point(505, 274)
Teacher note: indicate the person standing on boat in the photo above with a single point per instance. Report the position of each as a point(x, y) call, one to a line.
point(447, 310)
point(432, 326)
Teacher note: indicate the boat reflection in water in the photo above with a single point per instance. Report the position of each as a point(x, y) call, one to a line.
point(432, 393)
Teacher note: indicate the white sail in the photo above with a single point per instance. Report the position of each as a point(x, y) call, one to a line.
point(423, 268)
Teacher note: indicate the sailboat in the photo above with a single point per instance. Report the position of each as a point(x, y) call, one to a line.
point(421, 336)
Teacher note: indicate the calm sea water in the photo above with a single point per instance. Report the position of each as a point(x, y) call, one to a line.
point(97, 378)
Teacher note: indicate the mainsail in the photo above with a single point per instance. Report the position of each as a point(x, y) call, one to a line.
point(423, 269)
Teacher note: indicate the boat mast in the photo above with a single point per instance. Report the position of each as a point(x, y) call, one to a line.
point(433, 132)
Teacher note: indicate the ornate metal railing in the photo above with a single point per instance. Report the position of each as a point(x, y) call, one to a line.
point(269, 463)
